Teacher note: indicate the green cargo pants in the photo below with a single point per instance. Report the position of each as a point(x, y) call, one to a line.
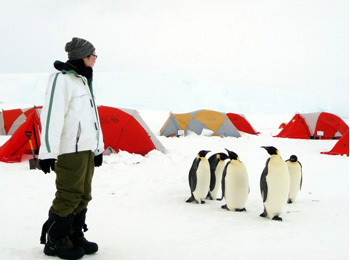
point(74, 172)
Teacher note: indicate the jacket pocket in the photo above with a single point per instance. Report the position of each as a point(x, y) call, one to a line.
point(77, 138)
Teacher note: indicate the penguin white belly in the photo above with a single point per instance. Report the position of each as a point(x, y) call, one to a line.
point(295, 179)
point(278, 182)
point(203, 180)
point(236, 186)
point(218, 177)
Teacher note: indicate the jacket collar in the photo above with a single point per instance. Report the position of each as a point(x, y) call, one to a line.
point(65, 68)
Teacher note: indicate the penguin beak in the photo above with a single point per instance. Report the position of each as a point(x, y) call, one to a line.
point(232, 155)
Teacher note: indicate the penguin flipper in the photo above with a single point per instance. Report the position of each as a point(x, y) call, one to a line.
point(223, 181)
point(263, 183)
point(192, 176)
point(213, 162)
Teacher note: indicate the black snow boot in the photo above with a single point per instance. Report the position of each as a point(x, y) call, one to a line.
point(58, 242)
point(78, 238)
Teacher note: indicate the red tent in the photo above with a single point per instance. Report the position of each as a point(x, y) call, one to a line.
point(341, 147)
point(241, 123)
point(11, 119)
point(18, 144)
point(314, 126)
point(125, 130)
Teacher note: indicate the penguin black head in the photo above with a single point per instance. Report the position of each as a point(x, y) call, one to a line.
point(232, 155)
point(271, 150)
point(293, 158)
point(203, 153)
point(222, 156)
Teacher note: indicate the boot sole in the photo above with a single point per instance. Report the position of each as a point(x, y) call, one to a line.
point(78, 253)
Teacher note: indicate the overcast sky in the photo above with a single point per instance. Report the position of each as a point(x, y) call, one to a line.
point(300, 45)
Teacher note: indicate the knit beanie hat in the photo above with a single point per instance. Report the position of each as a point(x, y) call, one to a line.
point(79, 48)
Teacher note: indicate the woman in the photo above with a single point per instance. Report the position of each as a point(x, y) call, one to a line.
point(71, 145)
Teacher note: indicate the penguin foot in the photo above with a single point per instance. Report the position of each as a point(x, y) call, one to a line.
point(219, 199)
point(191, 199)
point(224, 207)
point(209, 196)
point(290, 201)
point(240, 210)
point(277, 218)
point(263, 215)
point(202, 202)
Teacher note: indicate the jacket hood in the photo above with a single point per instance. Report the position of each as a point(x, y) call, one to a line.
point(63, 66)
point(66, 67)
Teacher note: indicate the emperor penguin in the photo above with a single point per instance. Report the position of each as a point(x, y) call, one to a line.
point(217, 165)
point(296, 177)
point(199, 178)
point(274, 184)
point(235, 184)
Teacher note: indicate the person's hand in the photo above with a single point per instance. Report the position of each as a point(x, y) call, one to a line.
point(47, 164)
point(98, 160)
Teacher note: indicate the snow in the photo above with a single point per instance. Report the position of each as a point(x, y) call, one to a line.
point(138, 209)
point(264, 59)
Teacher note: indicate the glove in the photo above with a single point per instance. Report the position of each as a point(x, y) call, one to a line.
point(47, 164)
point(98, 160)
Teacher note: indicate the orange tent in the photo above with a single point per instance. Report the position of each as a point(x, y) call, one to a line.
point(197, 121)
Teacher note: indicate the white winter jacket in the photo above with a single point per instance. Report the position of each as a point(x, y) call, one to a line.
point(69, 118)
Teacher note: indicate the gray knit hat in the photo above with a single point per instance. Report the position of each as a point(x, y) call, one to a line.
point(79, 48)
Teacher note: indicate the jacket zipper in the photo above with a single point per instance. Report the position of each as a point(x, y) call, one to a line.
point(78, 136)
point(93, 105)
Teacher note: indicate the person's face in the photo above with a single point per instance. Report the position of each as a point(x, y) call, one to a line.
point(90, 61)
